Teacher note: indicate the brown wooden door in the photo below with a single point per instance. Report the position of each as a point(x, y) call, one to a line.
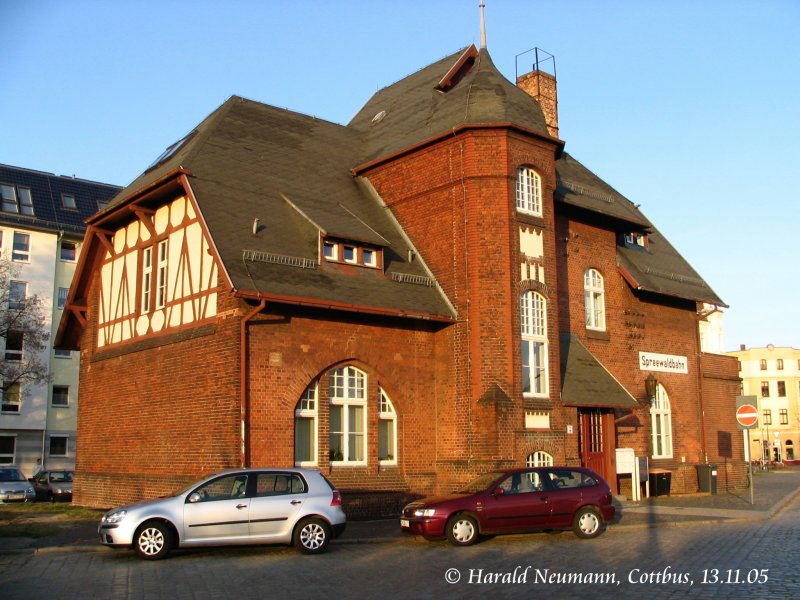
point(597, 441)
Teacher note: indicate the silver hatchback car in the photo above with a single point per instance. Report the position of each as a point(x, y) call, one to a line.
point(237, 507)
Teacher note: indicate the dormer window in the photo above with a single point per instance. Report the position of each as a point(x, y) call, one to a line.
point(330, 251)
point(636, 239)
point(529, 191)
point(352, 253)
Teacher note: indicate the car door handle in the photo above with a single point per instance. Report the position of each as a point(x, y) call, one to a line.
point(544, 498)
point(241, 506)
point(296, 502)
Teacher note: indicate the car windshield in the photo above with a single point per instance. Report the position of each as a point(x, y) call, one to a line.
point(60, 475)
point(481, 483)
point(11, 475)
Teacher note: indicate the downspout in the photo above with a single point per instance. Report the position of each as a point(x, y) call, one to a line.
point(243, 399)
point(700, 387)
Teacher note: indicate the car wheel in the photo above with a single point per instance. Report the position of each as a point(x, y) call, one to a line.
point(587, 523)
point(153, 540)
point(311, 536)
point(462, 530)
point(50, 497)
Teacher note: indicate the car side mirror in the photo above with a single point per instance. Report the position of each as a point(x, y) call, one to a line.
point(193, 498)
point(498, 492)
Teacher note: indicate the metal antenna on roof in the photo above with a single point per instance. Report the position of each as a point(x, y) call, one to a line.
point(483, 27)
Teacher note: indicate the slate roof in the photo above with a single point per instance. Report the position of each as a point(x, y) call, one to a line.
point(658, 268)
point(585, 381)
point(416, 110)
point(49, 213)
point(292, 172)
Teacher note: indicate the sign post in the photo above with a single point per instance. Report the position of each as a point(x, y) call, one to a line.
point(747, 417)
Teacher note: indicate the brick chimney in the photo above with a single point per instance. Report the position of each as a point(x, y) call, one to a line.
point(542, 86)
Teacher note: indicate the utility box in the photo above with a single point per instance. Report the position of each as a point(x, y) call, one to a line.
point(660, 482)
point(707, 478)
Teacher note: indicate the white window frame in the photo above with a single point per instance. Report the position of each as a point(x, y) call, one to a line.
point(387, 414)
point(533, 326)
point(529, 191)
point(540, 458)
point(147, 278)
point(17, 302)
point(22, 202)
point(348, 389)
point(594, 299)
point(162, 274)
point(354, 249)
point(9, 402)
point(330, 250)
point(21, 254)
point(6, 458)
point(661, 424)
point(372, 261)
point(61, 298)
point(307, 409)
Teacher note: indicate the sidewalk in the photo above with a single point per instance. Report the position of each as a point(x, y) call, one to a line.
point(773, 490)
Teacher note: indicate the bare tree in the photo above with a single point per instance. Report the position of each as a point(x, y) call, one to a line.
point(25, 331)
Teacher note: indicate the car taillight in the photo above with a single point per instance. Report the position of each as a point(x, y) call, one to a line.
point(337, 499)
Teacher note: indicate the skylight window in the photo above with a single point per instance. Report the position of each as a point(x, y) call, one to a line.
point(171, 150)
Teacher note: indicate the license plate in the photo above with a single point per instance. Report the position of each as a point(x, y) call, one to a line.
point(404, 523)
point(16, 496)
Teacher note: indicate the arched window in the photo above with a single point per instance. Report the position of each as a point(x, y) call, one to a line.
point(305, 427)
point(348, 416)
point(593, 294)
point(661, 424)
point(387, 430)
point(529, 191)
point(533, 325)
point(539, 459)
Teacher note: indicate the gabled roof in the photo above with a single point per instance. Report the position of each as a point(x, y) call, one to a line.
point(49, 213)
point(250, 161)
point(585, 381)
point(659, 268)
point(460, 90)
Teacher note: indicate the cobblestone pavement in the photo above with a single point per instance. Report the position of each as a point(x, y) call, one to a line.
point(740, 558)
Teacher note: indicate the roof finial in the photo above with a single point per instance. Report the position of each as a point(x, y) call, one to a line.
point(483, 27)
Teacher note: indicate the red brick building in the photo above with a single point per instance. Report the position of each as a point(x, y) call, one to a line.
point(431, 291)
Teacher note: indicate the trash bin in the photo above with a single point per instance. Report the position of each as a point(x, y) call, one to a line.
point(660, 481)
point(707, 478)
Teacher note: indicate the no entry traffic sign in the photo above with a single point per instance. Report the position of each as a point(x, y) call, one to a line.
point(747, 415)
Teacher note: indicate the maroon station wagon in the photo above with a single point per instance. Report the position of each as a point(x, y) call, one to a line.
point(515, 501)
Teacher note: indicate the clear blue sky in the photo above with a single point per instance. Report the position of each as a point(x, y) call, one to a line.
point(689, 108)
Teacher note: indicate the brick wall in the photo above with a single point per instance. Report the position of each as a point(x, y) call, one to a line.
point(157, 412)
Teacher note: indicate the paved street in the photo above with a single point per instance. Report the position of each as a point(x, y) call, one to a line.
point(727, 560)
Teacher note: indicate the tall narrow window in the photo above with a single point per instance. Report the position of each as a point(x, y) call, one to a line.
point(767, 412)
point(661, 424)
point(779, 364)
point(784, 412)
point(17, 293)
point(387, 430)
point(765, 389)
point(60, 396)
point(305, 427)
point(14, 341)
point(348, 416)
point(147, 278)
point(22, 247)
point(8, 445)
point(161, 276)
point(533, 325)
point(62, 297)
point(781, 389)
point(529, 191)
point(593, 295)
point(763, 364)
